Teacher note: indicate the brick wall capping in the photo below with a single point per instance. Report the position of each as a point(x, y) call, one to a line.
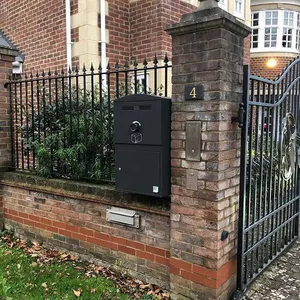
point(100, 193)
point(8, 52)
point(208, 19)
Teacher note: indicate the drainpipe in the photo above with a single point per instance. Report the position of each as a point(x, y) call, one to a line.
point(103, 41)
point(68, 34)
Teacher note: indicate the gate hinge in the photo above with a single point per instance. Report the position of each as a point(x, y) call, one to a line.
point(240, 118)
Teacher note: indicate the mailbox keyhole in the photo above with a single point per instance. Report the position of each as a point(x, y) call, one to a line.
point(135, 126)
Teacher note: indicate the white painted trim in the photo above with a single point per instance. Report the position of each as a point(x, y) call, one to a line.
point(103, 41)
point(68, 34)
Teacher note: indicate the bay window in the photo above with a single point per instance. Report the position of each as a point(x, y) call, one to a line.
point(275, 30)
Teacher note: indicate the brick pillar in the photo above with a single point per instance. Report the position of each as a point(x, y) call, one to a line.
point(7, 56)
point(208, 50)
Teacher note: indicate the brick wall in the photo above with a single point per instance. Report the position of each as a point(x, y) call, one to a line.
point(66, 220)
point(247, 46)
point(6, 58)
point(117, 21)
point(147, 22)
point(37, 28)
point(259, 66)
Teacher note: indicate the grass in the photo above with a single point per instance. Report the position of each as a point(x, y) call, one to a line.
point(21, 278)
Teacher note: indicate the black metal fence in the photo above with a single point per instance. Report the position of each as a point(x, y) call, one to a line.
point(62, 122)
point(269, 192)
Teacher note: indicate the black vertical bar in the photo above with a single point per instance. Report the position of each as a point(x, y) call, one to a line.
point(63, 106)
point(16, 124)
point(109, 127)
point(267, 179)
point(77, 103)
point(38, 105)
point(70, 109)
point(261, 176)
point(243, 176)
point(135, 64)
point(255, 230)
point(271, 199)
point(145, 63)
point(27, 120)
point(56, 114)
point(12, 145)
point(93, 119)
point(155, 62)
point(51, 116)
point(33, 119)
point(44, 103)
point(21, 123)
point(166, 60)
point(101, 124)
point(117, 68)
point(85, 118)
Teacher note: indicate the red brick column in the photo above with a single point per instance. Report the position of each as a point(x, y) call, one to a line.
point(7, 56)
point(208, 48)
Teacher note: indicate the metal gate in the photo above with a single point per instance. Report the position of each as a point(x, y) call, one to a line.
point(269, 190)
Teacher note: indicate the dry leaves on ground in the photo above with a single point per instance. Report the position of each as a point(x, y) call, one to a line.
point(133, 287)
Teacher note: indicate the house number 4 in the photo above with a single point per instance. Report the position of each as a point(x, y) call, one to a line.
point(193, 92)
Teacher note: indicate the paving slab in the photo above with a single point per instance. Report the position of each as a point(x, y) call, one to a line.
point(281, 280)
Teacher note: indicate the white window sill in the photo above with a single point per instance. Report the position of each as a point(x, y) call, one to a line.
point(263, 50)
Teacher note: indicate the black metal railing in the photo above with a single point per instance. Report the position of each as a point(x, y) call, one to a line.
point(62, 122)
point(269, 190)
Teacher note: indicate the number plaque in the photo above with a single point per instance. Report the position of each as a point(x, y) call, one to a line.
point(194, 92)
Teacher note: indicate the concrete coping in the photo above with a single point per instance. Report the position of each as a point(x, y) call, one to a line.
point(100, 193)
point(208, 19)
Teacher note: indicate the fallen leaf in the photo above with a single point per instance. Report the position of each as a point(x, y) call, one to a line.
point(77, 293)
point(34, 264)
point(44, 285)
point(93, 291)
point(98, 269)
point(7, 252)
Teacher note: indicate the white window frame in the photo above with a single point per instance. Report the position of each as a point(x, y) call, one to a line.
point(298, 32)
point(255, 27)
point(279, 47)
point(239, 14)
point(140, 77)
point(270, 26)
point(223, 4)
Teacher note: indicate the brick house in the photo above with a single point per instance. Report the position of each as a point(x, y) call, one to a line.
point(275, 36)
point(52, 35)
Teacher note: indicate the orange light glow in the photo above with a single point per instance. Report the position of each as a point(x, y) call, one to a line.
point(272, 63)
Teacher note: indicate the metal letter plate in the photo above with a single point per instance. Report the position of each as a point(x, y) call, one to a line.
point(193, 140)
point(192, 179)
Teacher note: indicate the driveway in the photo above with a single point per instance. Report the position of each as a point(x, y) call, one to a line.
point(281, 280)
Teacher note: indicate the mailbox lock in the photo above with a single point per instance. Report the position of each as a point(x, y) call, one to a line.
point(135, 126)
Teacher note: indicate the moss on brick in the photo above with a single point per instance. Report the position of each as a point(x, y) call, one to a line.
point(101, 193)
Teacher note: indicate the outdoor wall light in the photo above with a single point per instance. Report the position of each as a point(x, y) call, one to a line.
point(272, 63)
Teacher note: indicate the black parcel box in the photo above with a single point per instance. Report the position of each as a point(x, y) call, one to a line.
point(142, 144)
